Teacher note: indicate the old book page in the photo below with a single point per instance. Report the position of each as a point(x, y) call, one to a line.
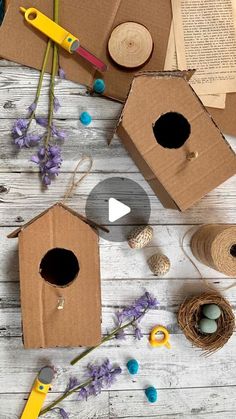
point(205, 35)
point(171, 63)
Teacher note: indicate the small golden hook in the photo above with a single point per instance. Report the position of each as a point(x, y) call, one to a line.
point(61, 303)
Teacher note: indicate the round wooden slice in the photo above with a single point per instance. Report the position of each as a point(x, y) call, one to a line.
point(130, 44)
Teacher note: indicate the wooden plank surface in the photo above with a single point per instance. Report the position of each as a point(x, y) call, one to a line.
point(189, 385)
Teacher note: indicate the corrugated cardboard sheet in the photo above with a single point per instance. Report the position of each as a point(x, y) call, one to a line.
point(93, 21)
point(182, 182)
point(79, 323)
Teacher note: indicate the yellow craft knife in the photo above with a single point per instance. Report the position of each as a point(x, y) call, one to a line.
point(38, 393)
point(61, 36)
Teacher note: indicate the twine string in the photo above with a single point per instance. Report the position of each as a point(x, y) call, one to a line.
point(207, 284)
point(74, 183)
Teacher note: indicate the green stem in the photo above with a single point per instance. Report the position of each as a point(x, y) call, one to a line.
point(106, 339)
point(64, 396)
point(40, 82)
point(52, 81)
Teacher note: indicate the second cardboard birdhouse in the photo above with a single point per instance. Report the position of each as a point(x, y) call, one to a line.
point(173, 139)
point(59, 280)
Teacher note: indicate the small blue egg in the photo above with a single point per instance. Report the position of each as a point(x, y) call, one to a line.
point(85, 118)
point(133, 366)
point(99, 86)
point(151, 394)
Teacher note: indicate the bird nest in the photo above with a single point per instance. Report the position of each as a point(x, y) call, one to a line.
point(190, 312)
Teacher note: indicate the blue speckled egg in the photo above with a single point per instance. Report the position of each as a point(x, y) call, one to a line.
point(85, 118)
point(151, 394)
point(211, 311)
point(99, 86)
point(133, 366)
point(207, 326)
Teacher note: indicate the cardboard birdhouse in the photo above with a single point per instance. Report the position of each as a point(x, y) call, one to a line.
point(59, 280)
point(173, 139)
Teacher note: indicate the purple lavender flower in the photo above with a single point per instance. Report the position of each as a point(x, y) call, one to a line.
point(73, 382)
point(43, 122)
point(138, 333)
point(63, 413)
point(57, 133)
point(32, 107)
point(56, 104)
point(120, 335)
point(61, 73)
point(83, 394)
point(20, 135)
point(19, 127)
point(49, 161)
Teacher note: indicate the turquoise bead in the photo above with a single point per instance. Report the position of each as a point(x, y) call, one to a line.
point(99, 86)
point(151, 394)
point(85, 118)
point(207, 326)
point(211, 311)
point(133, 366)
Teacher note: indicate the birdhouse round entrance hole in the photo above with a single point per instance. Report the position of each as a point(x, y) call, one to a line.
point(171, 130)
point(59, 267)
point(233, 250)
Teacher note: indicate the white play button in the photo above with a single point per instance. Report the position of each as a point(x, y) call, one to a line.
point(117, 210)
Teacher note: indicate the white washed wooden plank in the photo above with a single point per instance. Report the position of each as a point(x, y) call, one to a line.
point(115, 295)
point(23, 197)
point(182, 366)
point(81, 140)
point(92, 140)
point(184, 403)
point(119, 261)
point(13, 404)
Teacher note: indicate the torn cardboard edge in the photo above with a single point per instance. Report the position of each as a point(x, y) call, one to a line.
point(73, 212)
point(149, 172)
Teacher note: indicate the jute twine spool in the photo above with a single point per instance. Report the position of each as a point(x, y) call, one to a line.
point(215, 246)
point(190, 312)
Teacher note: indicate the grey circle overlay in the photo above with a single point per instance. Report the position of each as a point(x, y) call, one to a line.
point(126, 191)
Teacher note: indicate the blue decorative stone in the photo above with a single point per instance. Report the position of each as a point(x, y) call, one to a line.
point(99, 86)
point(151, 394)
point(133, 366)
point(85, 118)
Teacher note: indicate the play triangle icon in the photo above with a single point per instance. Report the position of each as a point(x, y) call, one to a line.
point(117, 210)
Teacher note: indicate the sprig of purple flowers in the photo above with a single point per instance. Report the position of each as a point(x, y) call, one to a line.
point(128, 317)
point(98, 377)
point(49, 163)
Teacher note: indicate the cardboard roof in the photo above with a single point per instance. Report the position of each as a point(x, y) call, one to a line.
point(92, 224)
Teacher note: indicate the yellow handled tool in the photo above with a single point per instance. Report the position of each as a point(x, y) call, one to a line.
point(60, 35)
point(41, 387)
point(156, 342)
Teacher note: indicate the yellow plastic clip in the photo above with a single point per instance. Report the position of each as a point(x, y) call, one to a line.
point(51, 29)
point(41, 387)
point(163, 342)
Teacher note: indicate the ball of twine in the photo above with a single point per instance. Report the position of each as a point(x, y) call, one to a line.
point(190, 312)
point(159, 264)
point(140, 237)
point(215, 246)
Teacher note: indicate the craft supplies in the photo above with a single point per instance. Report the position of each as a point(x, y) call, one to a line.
point(41, 387)
point(99, 86)
point(207, 326)
point(159, 264)
point(191, 314)
point(215, 246)
point(85, 118)
point(151, 394)
point(211, 311)
point(133, 366)
point(154, 338)
point(61, 36)
point(140, 237)
point(130, 44)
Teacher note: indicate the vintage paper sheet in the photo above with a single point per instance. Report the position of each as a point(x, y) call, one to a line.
point(213, 101)
point(205, 35)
